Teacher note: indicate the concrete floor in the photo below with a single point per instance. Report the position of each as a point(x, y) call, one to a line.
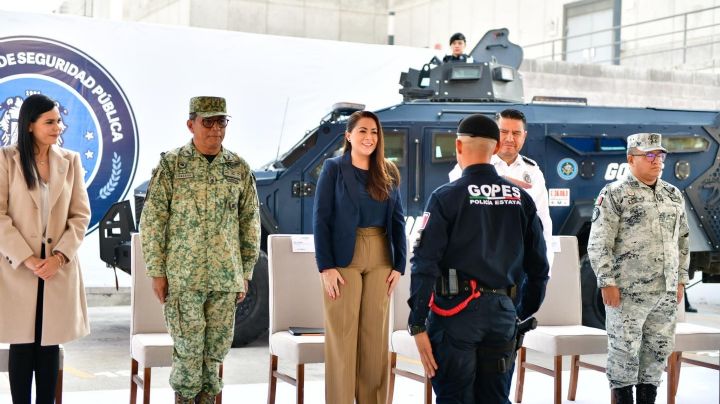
point(98, 367)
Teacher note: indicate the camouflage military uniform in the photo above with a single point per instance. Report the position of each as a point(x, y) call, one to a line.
point(639, 243)
point(200, 228)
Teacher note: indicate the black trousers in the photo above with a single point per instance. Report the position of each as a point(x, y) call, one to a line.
point(461, 348)
point(28, 358)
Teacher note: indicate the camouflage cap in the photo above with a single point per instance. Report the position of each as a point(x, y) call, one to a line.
point(645, 142)
point(205, 106)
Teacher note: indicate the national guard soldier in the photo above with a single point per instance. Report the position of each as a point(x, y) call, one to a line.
point(479, 235)
point(638, 248)
point(200, 231)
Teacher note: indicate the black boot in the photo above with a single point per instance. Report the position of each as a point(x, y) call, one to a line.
point(646, 393)
point(623, 395)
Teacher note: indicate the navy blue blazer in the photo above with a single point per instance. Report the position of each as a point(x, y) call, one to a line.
point(336, 216)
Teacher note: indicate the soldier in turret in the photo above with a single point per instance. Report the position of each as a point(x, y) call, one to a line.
point(457, 48)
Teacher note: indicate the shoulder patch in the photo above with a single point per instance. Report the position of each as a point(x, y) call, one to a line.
point(529, 161)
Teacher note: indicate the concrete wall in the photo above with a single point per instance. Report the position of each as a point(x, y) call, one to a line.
point(342, 20)
point(429, 23)
point(622, 86)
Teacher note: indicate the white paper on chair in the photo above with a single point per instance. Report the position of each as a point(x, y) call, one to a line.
point(556, 245)
point(303, 243)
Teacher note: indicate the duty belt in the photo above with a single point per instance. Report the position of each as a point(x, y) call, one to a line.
point(451, 286)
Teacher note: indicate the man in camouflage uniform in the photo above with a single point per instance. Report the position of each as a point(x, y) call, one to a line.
point(200, 229)
point(638, 248)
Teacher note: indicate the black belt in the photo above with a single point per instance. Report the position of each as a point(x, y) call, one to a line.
point(465, 288)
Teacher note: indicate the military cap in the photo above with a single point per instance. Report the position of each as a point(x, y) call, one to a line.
point(205, 106)
point(478, 125)
point(645, 142)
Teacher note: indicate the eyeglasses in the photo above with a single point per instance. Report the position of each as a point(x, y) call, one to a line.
point(650, 156)
point(209, 123)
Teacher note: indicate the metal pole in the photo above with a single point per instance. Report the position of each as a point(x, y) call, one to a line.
point(617, 20)
point(391, 28)
point(684, 38)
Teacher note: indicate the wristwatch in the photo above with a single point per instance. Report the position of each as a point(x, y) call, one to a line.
point(416, 329)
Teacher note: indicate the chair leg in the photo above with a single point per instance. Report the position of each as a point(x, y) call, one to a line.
point(676, 373)
point(59, 387)
point(520, 370)
point(272, 383)
point(391, 380)
point(673, 376)
point(146, 385)
point(428, 391)
point(218, 398)
point(574, 368)
point(300, 398)
point(133, 386)
point(557, 376)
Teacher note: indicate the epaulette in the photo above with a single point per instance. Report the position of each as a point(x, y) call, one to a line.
point(529, 160)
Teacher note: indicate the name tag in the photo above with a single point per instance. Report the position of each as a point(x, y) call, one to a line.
point(232, 179)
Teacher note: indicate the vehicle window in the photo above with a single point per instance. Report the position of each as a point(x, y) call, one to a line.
point(300, 149)
point(395, 146)
point(685, 144)
point(334, 151)
point(443, 144)
point(585, 144)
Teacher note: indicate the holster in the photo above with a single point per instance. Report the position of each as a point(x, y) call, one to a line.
point(503, 364)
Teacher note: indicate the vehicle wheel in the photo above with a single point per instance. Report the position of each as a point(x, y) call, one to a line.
point(593, 309)
point(251, 316)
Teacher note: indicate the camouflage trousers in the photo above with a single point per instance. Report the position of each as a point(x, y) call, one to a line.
point(641, 336)
point(201, 325)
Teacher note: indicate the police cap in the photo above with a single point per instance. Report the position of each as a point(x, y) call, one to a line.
point(478, 125)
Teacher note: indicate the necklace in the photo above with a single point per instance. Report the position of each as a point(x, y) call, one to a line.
point(41, 162)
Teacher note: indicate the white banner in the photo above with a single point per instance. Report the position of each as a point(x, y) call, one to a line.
point(128, 85)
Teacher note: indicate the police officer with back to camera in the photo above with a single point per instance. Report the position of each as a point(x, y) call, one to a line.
point(638, 248)
point(518, 168)
point(457, 47)
point(467, 277)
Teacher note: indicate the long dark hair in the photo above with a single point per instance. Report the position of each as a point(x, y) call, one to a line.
point(383, 174)
point(31, 109)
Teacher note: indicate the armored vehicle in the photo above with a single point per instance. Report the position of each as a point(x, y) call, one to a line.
point(579, 147)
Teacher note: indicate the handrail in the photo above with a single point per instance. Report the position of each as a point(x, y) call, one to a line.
point(670, 44)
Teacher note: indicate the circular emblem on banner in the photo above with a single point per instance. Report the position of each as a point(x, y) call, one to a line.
point(567, 168)
point(98, 121)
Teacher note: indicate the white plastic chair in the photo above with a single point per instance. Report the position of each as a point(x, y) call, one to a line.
point(560, 331)
point(150, 344)
point(688, 338)
point(295, 301)
point(401, 342)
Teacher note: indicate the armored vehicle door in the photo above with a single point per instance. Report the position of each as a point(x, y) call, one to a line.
point(396, 150)
point(433, 156)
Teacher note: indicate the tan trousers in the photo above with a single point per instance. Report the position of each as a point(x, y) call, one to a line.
point(356, 325)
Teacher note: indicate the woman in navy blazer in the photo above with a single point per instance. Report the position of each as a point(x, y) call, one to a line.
point(360, 248)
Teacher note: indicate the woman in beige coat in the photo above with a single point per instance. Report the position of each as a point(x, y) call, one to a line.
point(44, 214)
